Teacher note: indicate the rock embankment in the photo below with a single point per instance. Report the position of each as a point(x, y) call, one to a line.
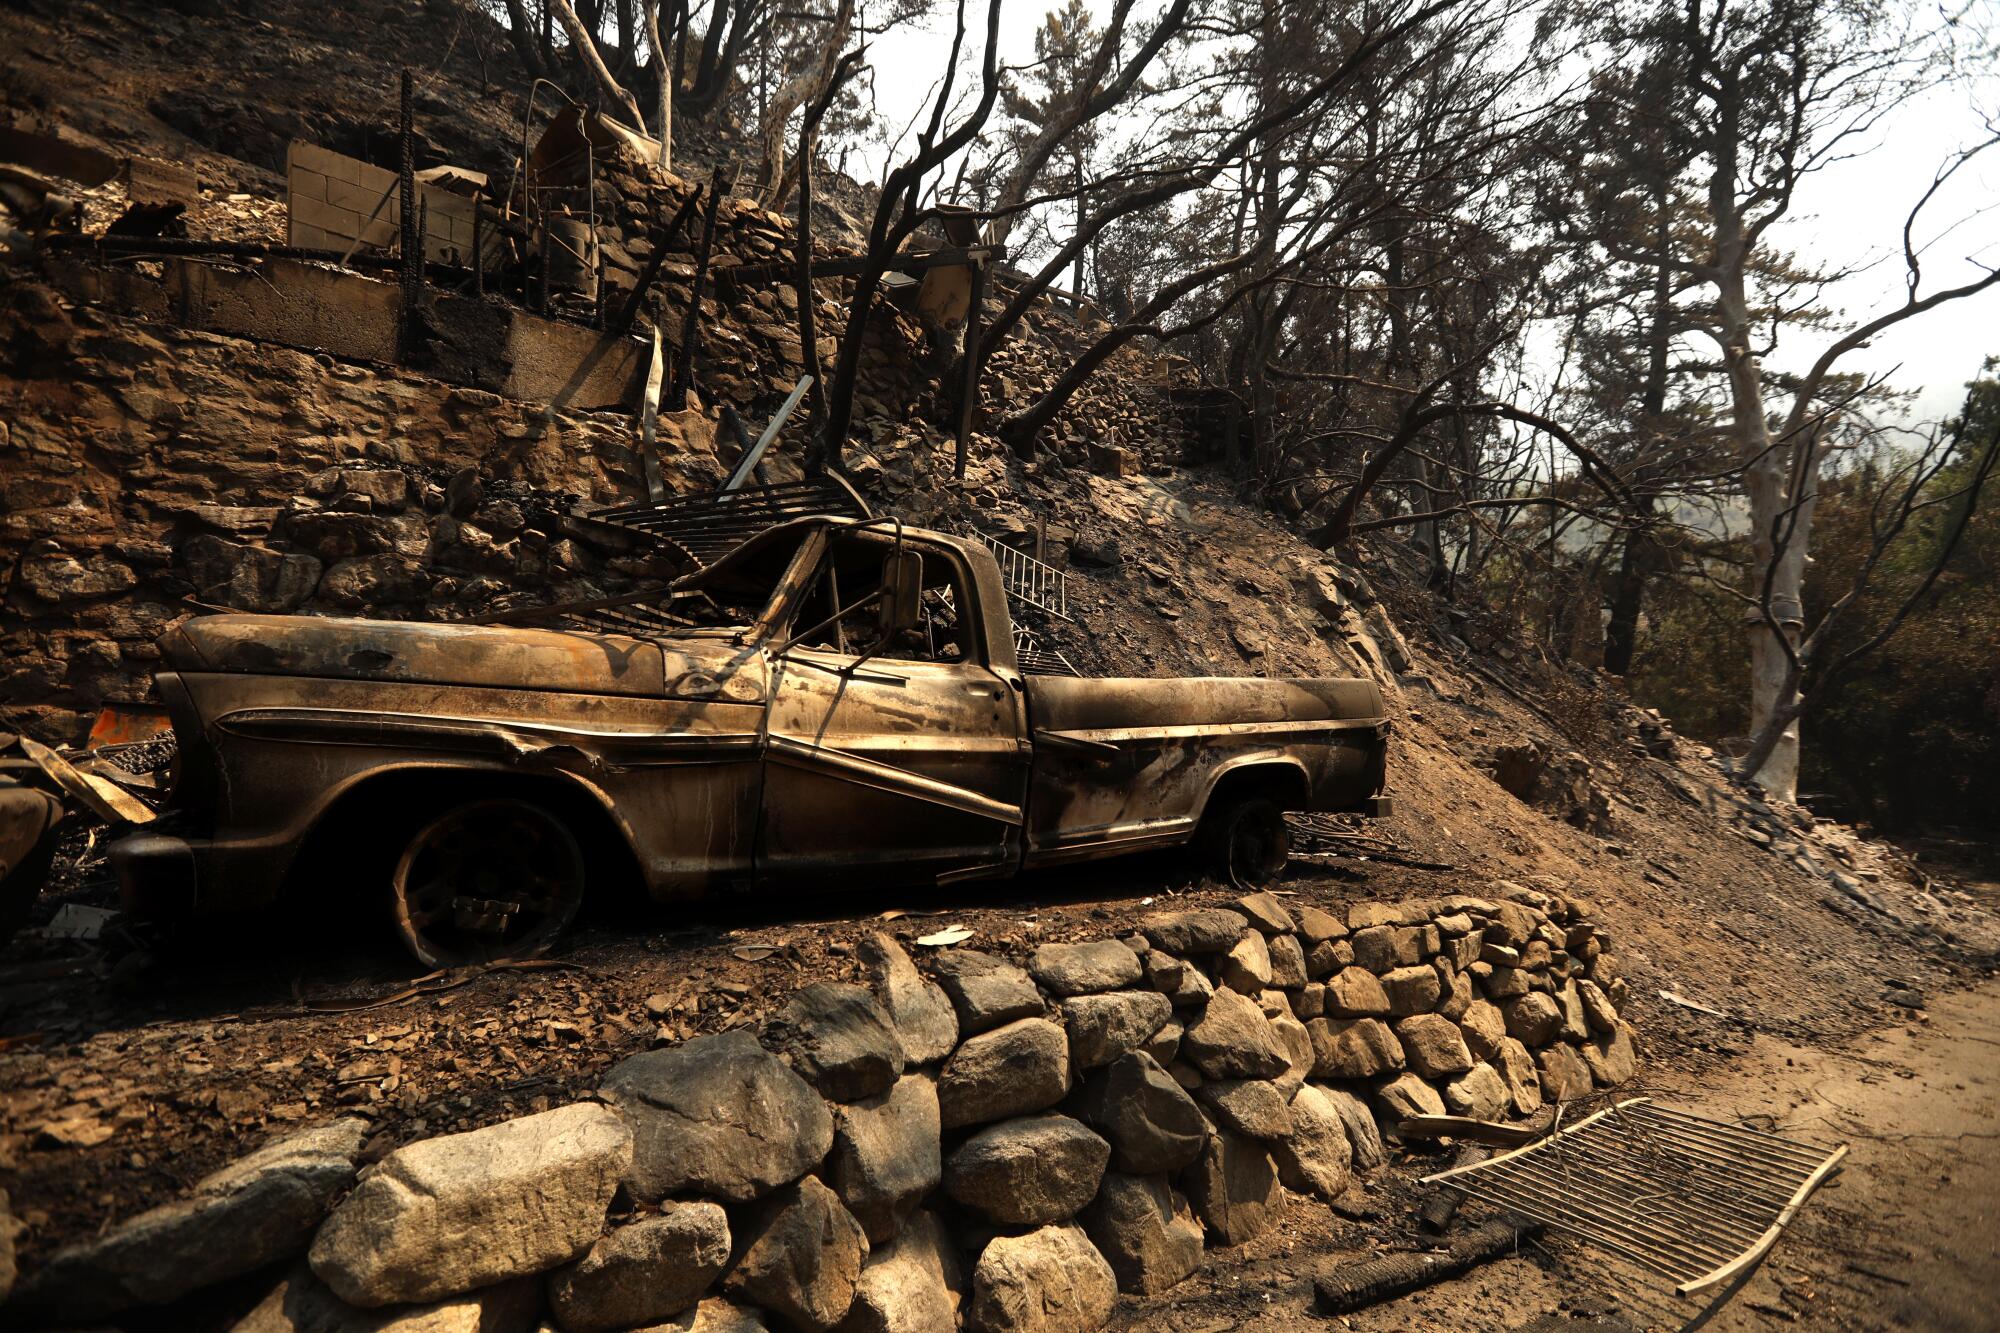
point(1002, 1144)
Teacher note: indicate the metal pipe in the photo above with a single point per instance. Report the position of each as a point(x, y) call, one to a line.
point(1623, 1153)
point(1695, 1140)
point(1610, 1165)
point(1655, 1221)
point(1653, 1109)
point(1556, 1211)
point(1694, 1137)
point(1766, 1144)
point(1596, 1232)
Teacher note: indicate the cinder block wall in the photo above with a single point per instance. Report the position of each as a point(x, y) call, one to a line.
point(333, 199)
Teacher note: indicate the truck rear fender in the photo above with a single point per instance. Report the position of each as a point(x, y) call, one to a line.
point(1280, 776)
point(375, 810)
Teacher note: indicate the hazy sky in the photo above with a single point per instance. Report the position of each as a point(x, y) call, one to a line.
point(1850, 217)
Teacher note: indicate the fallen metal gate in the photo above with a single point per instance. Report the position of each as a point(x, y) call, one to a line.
point(1697, 1201)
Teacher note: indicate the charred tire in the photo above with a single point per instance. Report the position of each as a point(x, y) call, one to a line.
point(492, 879)
point(1244, 841)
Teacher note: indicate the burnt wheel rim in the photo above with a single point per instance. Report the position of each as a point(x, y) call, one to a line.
point(487, 881)
point(1257, 849)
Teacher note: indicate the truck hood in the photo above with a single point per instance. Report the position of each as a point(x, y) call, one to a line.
point(491, 657)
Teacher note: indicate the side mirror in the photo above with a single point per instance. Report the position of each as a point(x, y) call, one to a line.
point(901, 605)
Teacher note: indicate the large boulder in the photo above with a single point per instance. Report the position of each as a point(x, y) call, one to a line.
point(1563, 1075)
point(1517, 1071)
point(1535, 1019)
point(1104, 1027)
point(1252, 1107)
point(1483, 1028)
point(1316, 1157)
point(1233, 1186)
point(1381, 948)
point(1407, 1096)
point(1432, 1045)
point(532, 1191)
point(1202, 930)
point(1014, 1070)
point(1316, 926)
point(1179, 980)
point(801, 1257)
point(1048, 1281)
point(885, 1154)
point(1612, 1059)
point(986, 991)
point(1150, 1121)
point(1288, 962)
point(301, 1303)
point(839, 1040)
point(243, 577)
point(1362, 1131)
point(1598, 1012)
point(1084, 969)
point(1510, 924)
point(643, 1272)
point(253, 1212)
point(1233, 1039)
point(1028, 1172)
point(925, 1022)
point(1145, 1231)
point(1355, 992)
point(1576, 1022)
point(1412, 990)
point(1479, 1093)
point(1298, 1045)
point(1266, 913)
point(1353, 1047)
point(719, 1116)
point(912, 1284)
point(1246, 966)
point(1458, 992)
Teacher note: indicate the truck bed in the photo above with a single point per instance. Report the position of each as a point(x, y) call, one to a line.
point(1127, 763)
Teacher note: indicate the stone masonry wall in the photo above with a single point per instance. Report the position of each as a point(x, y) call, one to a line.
point(992, 1143)
point(143, 467)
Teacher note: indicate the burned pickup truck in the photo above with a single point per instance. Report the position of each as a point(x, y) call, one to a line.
point(835, 698)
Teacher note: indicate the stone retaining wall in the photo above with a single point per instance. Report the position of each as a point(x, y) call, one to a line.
point(981, 1142)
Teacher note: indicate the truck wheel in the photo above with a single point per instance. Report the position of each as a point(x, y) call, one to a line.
point(487, 880)
point(1245, 841)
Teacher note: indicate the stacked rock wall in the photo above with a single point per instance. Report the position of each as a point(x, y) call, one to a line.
point(993, 1143)
point(143, 467)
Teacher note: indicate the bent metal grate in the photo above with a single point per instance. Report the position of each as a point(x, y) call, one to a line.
point(1694, 1200)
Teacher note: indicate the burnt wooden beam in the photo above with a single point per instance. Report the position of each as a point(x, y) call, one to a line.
point(691, 327)
point(971, 355)
point(660, 239)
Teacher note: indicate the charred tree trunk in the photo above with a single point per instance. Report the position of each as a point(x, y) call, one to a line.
point(521, 32)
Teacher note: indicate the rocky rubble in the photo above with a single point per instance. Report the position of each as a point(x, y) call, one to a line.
point(820, 1175)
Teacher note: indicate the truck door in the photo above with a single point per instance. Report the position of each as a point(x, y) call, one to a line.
point(909, 756)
